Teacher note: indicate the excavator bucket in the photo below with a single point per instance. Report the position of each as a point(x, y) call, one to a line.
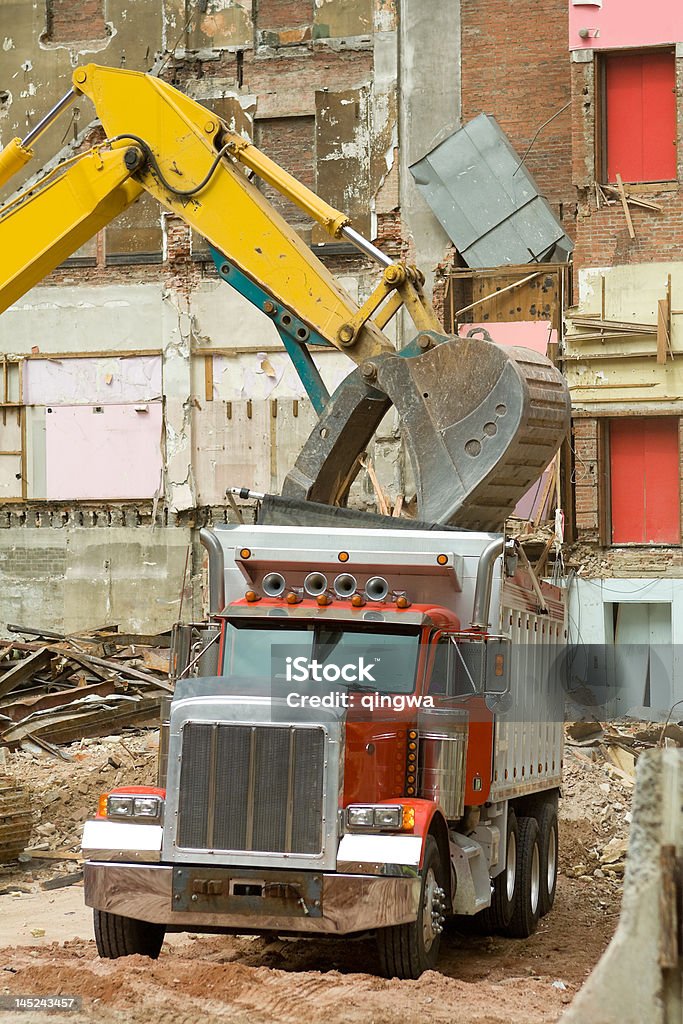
point(480, 423)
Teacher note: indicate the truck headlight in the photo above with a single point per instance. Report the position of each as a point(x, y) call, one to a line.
point(134, 808)
point(387, 817)
point(120, 806)
point(362, 816)
point(147, 807)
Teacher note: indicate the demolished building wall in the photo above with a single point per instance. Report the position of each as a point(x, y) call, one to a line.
point(315, 85)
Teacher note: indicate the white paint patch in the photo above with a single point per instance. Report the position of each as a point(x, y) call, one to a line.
point(7, 43)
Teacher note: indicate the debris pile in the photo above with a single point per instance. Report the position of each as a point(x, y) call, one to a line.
point(16, 818)
point(55, 689)
point(65, 790)
point(598, 780)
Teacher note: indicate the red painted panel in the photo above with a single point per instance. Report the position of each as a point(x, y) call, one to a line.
point(640, 103)
point(644, 478)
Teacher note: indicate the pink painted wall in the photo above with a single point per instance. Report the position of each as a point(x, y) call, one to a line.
point(625, 23)
point(534, 334)
point(115, 453)
point(92, 380)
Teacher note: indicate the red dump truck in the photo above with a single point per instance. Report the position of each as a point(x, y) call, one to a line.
point(365, 737)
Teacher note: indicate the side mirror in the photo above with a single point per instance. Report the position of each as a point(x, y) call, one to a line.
point(497, 679)
point(194, 650)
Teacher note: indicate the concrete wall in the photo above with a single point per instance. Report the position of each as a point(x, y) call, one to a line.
point(628, 637)
point(69, 577)
point(429, 112)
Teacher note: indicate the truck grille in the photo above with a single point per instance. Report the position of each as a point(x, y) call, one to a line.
point(251, 787)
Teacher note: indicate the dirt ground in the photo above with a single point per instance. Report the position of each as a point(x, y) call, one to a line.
point(47, 945)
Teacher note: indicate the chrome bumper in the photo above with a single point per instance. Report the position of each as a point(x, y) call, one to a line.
point(349, 903)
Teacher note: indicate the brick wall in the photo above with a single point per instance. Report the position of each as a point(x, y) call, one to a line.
point(291, 142)
point(602, 236)
point(515, 65)
point(284, 22)
point(586, 476)
point(68, 20)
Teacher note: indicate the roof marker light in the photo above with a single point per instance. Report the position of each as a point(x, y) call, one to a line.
point(245, 553)
point(442, 559)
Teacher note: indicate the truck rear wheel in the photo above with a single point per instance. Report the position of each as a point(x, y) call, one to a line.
point(407, 950)
point(527, 908)
point(498, 915)
point(117, 936)
point(547, 824)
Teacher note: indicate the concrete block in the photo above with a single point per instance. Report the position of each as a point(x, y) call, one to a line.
point(631, 983)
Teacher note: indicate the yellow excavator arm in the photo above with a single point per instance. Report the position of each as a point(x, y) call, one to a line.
point(480, 424)
point(185, 157)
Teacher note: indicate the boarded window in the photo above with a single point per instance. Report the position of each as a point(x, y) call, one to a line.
point(640, 116)
point(644, 480)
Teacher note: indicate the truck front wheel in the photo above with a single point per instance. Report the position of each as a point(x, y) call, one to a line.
point(117, 936)
point(406, 950)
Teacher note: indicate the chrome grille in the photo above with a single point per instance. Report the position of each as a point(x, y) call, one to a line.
point(251, 787)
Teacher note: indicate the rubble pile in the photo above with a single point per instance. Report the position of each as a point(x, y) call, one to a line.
point(65, 789)
point(598, 781)
point(55, 689)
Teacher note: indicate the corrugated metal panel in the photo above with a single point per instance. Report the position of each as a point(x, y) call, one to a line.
point(644, 480)
point(529, 739)
point(640, 98)
point(487, 201)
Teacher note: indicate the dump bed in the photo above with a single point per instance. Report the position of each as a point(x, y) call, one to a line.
point(529, 738)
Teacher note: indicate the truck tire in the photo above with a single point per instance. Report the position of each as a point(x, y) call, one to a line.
point(117, 936)
point(547, 824)
point(407, 950)
point(498, 915)
point(527, 908)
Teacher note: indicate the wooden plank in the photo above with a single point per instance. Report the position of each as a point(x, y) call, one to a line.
point(382, 503)
point(53, 854)
point(494, 295)
point(24, 669)
point(89, 661)
point(636, 201)
point(624, 203)
point(662, 331)
point(592, 320)
point(208, 378)
point(669, 952)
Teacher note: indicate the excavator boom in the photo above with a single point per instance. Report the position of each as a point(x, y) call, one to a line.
point(480, 424)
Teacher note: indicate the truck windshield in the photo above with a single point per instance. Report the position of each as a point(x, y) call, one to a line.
point(333, 655)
